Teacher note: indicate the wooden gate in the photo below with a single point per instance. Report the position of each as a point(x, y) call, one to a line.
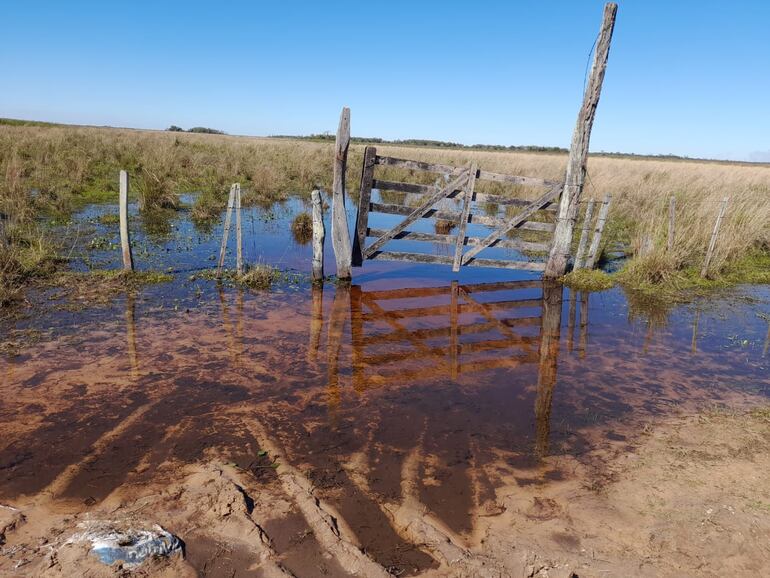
point(536, 217)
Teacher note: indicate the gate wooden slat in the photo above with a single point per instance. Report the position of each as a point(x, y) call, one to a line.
point(417, 213)
point(513, 223)
point(445, 260)
point(445, 215)
point(419, 189)
point(450, 239)
point(463, 224)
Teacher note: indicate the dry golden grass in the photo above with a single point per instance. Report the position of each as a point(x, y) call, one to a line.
point(69, 165)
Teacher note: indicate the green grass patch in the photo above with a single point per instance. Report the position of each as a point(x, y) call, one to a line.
point(109, 219)
point(588, 280)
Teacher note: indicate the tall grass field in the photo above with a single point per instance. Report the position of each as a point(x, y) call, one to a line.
point(50, 170)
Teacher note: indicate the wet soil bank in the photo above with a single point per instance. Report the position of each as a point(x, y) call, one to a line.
point(410, 424)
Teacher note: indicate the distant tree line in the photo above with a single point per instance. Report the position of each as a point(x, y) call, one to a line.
point(200, 129)
point(418, 142)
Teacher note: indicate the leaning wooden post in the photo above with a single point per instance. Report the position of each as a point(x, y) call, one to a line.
point(125, 239)
point(601, 220)
point(714, 234)
point(318, 237)
point(584, 235)
point(238, 237)
point(578, 153)
point(671, 223)
point(340, 233)
point(364, 198)
point(226, 232)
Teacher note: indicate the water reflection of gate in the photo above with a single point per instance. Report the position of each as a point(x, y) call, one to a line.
point(402, 336)
point(443, 331)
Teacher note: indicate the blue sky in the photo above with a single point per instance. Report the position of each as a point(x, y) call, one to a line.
point(684, 77)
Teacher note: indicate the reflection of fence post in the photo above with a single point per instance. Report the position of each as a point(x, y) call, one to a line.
point(454, 341)
point(714, 234)
point(125, 239)
point(593, 252)
point(226, 232)
point(571, 322)
point(316, 320)
point(574, 177)
point(583, 323)
point(357, 339)
point(133, 359)
point(671, 223)
point(318, 236)
point(550, 335)
point(336, 328)
point(238, 238)
point(584, 235)
point(340, 233)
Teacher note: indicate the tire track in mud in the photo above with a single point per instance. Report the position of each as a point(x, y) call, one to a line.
point(329, 528)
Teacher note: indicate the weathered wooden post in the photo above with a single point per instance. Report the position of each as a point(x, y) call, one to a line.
point(578, 153)
point(671, 223)
point(239, 238)
point(601, 220)
point(125, 239)
point(584, 235)
point(340, 233)
point(714, 234)
point(364, 197)
point(226, 232)
point(319, 233)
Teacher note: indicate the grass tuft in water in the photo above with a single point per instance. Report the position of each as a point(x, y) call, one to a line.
point(302, 228)
point(588, 280)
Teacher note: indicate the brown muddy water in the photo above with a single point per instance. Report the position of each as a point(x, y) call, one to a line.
point(409, 385)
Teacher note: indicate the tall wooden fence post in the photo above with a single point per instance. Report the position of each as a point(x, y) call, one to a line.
point(671, 223)
point(714, 235)
point(318, 237)
point(340, 233)
point(125, 238)
point(601, 220)
point(364, 198)
point(578, 153)
point(238, 235)
point(226, 231)
point(584, 235)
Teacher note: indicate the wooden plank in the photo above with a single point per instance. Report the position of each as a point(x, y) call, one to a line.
point(713, 240)
point(450, 239)
point(444, 260)
point(226, 231)
point(517, 180)
point(364, 198)
point(238, 232)
point(419, 165)
point(445, 215)
point(584, 235)
point(340, 234)
point(492, 344)
point(510, 201)
point(517, 221)
point(415, 214)
point(413, 292)
point(419, 189)
point(502, 286)
point(593, 252)
point(463, 220)
point(578, 152)
point(125, 238)
point(319, 233)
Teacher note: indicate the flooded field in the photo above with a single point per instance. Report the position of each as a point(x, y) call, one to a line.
point(415, 422)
